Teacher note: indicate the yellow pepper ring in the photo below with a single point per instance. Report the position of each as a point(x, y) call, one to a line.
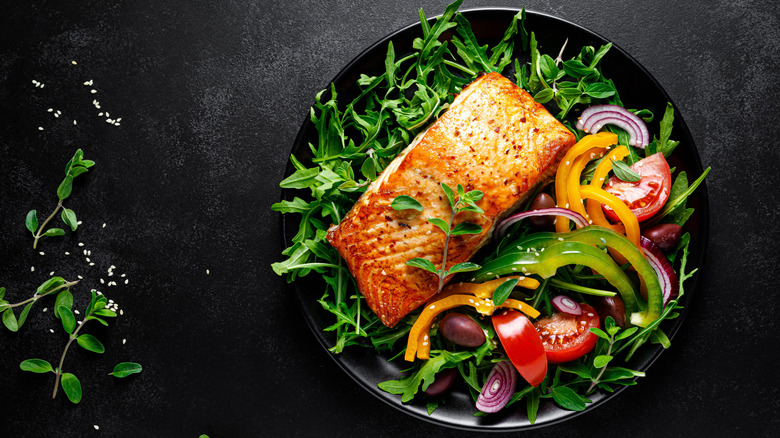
point(599, 176)
point(602, 139)
point(486, 289)
point(573, 184)
point(621, 210)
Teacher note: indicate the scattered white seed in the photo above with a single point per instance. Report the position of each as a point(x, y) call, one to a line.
point(125, 275)
point(76, 312)
point(102, 281)
point(88, 260)
point(209, 272)
point(104, 224)
point(40, 128)
point(100, 114)
point(92, 264)
point(80, 277)
point(41, 253)
point(51, 274)
point(97, 427)
point(93, 91)
point(81, 244)
point(74, 122)
point(127, 281)
point(67, 253)
point(124, 341)
point(110, 273)
point(74, 62)
point(45, 309)
point(51, 330)
point(56, 115)
point(50, 109)
point(32, 268)
point(122, 312)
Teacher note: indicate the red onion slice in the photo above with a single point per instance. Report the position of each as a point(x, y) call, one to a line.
point(552, 211)
point(498, 389)
point(566, 305)
point(595, 117)
point(670, 285)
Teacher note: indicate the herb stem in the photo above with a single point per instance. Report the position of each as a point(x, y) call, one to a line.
point(460, 67)
point(36, 297)
point(601, 373)
point(58, 370)
point(38, 234)
point(581, 289)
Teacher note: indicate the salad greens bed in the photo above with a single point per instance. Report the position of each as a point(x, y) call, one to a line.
point(358, 140)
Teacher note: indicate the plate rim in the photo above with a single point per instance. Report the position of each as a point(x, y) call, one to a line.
point(599, 398)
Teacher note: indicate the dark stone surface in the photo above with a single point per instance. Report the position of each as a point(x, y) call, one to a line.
point(211, 97)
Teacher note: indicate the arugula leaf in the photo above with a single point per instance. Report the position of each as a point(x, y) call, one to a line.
point(410, 385)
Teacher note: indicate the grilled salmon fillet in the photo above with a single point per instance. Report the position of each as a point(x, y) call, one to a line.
point(494, 138)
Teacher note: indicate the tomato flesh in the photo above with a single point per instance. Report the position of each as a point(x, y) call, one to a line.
point(646, 196)
point(522, 344)
point(567, 337)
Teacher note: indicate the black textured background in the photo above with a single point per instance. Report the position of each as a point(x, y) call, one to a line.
point(211, 96)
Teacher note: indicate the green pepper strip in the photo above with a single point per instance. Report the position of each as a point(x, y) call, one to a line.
point(596, 235)
point(547, 261)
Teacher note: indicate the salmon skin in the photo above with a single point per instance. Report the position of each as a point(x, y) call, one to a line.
point(494, 138)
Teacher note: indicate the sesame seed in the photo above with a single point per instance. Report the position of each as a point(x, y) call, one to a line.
point(97, 427)
point(100, 114)
point(81, 244)
point(80, 277)
point(93, 91)
point(50, 109)
point(51, 274)
point(432, 307)
point(125, 275)
point(32, 268)
point(41, 253)
point(88, 260)
point(102, 281)
point(124, 341)
point(89, 252)
point(127, 281)
point(40, 128)
point(92, 264)
point(209, 272)
point(74, 62)
point(104, 224)
point(76, 312)
point(121, 312)
point(51, 330)
point(67, 253)
point(45, 309)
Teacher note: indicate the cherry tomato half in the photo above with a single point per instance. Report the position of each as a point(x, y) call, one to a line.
point(522, 344)
point(646, 196)
point(567, 337)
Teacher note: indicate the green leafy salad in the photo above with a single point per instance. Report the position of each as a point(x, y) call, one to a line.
point(570, 288)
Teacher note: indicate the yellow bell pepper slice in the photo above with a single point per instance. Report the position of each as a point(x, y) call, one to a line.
point(599, 176)
point(573, 184)
point(486, 289)
point(619, 207)
point(602, 139)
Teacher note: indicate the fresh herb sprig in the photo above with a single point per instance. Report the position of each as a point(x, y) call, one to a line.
point(466, 201)
point(95, 311)
point(50, 286)
point(75, 167)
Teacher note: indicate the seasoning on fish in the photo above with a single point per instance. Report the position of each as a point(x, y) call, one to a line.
point(494, 138)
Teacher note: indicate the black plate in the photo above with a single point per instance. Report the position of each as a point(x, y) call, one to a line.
point(638, 89)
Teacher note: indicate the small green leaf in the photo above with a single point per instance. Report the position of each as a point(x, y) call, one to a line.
point(69, 217)
point(466, 228)
point(600, 333)
point(625, 173)
point(567, 398)
point(95, 318)
point(91, 343)
point(575, 368)
point(441, 223)
point(657, 336)
point(51, 232)
point(76, 171)
point(36, 366)
point(124, 369)
point(601, 361)
point(49, 285)
point(448, 193)
point(9, 320)
point(87, 163)
point(23, 315)
point(68, 320)
point(2, 292)
point(72, 387)
point(105, 312)
point(31, 222)
point(544, 95)
point(464, 267)
point(64, 299)
point(66, 186)
point(503, 291)
point(626, 333)
point(532, 406)
point(422, 264)
point(600, 90)
point(405, 202)
point(471, 207)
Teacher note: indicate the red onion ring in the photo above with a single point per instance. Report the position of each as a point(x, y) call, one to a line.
point(595, 117)
point(566, 305)
point(552, 211)
point(670, 285)
point(498, 389)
